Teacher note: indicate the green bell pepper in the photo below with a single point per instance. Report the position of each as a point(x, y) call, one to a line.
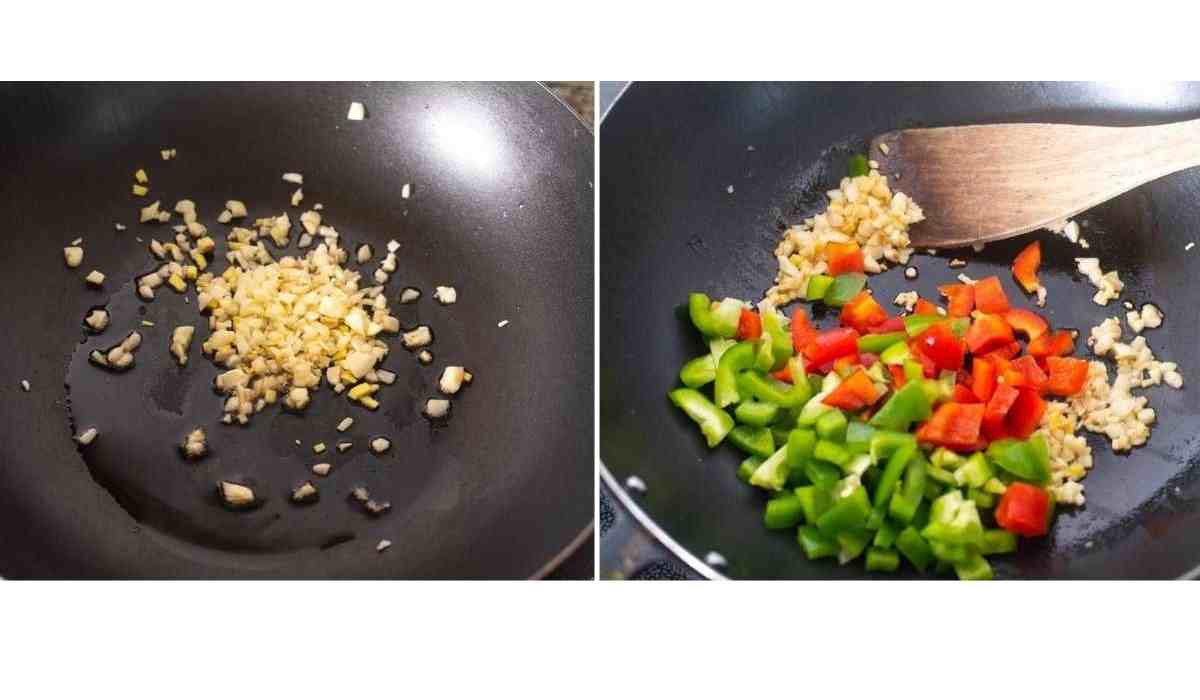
point(718, 346)
point(896, 353)
point(954, 520)
point(997, 541)
point(852, 543)
point(849, 510)
point(906, 501)
point(858, 165)
point(882, 559)
point(845, 287)
point(1028, 460)
point(823, 476)
point(892, 473)
point(906, 406)
point(772, 474)
point(878, 342)
point(815, 544)
point(697, 372)
point(734, 360)
point(917, 324)
point(770, 389)
point(981, 498)
point(913, 371)
point(818, 287)
point(831, 452)
point(974, 471)
point(941, 457)
point(885, 442)
point(782, 512)
point(756, 413)
point(885, 535)
point(714, 423)
point(942, 476)
point(752, 440)
point(747, 467)
point(914, 548)
point(720, 321)
point(776, 326)
point(813, 502)
point(973, 568)
point(832, 426)
point(800, 446)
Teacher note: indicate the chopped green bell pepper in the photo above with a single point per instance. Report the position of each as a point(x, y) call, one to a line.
point(818, 286)
point(720, 321)
point(857, 465)
point(954, 520)
point(849, 510)
point(770, 389)
point(852, 543)
point(764, 354)
point(974, 471)
point(878, 342)
point(917, 324)
point(914, 548)
point(772, 474)
point(815, 544)
point(973, 568)
point(941, 457)
point(782, 512)
point(814, 502)
point(997, 541)
point(907, 500)
point(747, 467)
point(752, 440)
point(882, 559)
point(896, 353)
point(733, 361)
point(942, 476)
point(823, 476)
point(913, 371)
point(885, 535)
point(697, 372)
point(981, 498)
point(714, 423)
point(756, 413)
point(858, 165)
point(906, 406)
point(776, 326)
point(845, 287)
point(832, 426)
point(800, 446)
point(831, 452)
point(1028, 460)
point(892, 473)
point(717, 347)
point(885, 442)
point(995, 487)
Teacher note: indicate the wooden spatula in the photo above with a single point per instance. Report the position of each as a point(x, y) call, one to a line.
point(984, 183)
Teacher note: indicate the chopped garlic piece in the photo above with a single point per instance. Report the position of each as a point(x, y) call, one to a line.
point(451, 380)
point(73, 255)
point(305, 493)
point(236, 208)
point(383, 544)
point(380, 445)
point(293, 178)
point(322, 469)
point(906, 299)
point(345, 424)
point(502, 323)
point(95, 278)
point(437, 408)
point(385, 376)
point(425, 357)
point(225, 217)
point(409, 295)
point(297, 197)
point(319, 448)
point(417, 338)
point(236, 495)
point(149, 213)
point(357, 112)
point(195, 445)
point(446, 295)
point(140, 191)
point(97, 320)
point(167, 153)
point(140, 176)
point(393, 245)
point(1108, 283)
point(25, 384)
point(297, 398)
point(86, 437)
point(406, 191)
point(119, 227)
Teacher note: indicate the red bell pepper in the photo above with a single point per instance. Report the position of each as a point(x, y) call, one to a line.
point(1024, 509)
point(802, 330)
point(1027, 322)
point(898, 378)
point(846, 364)
point(749, 326)
point(1004, 352)
point(983, 378)
point(997, 410)
point(1025, 414)
point(924, 307)
point(990, 297)
point(939, 344)
point(1068, 375)
point(988, 332)
point(785, 374)
point(894, 324)
point(854, 393)
point(843, 257)
point(827, 346)
point(1025, 267)
point(1057, 343)
point(955, 426)
point(960, 298)
point(862, 312)
point(1024, 371)
point(963, 394)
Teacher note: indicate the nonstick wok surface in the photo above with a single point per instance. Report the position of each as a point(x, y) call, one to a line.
point(669, 227)
point(502, 210)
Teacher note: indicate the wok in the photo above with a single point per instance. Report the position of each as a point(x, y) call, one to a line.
point(501, 208)
point(669, 226)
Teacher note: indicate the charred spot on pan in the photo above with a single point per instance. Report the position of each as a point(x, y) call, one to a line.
point(337, 540)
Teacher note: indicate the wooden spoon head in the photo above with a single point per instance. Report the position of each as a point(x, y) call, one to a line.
point(990, 182)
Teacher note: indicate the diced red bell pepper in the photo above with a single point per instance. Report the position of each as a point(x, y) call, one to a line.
point(1068, 375)
point(960, 299)
point(894, 324)
point(1027, 322)
point(749, 326)
point(928, 366)
point(963, 394)
point(845, 365)
point(898, 378)
point(990, 297)
point(983, 378)
point(997, 410)
point(1025, 267)
point(1024, 371)
point(843, 257)
point(939, 344)
point(1024, 509)
point(862, 312)
point(827, 346)
point(955, 426)
point(988, 332)
point(924, 307)
point(854, 393)
point(1026, 413)
point(1057, 343)
point(802, 330)
point(785, 374)
point(1004, 352)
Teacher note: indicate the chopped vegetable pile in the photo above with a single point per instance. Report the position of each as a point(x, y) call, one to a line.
point(918, 438)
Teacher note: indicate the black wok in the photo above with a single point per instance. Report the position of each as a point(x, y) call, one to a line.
point(669, 227)
point(502, 209)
